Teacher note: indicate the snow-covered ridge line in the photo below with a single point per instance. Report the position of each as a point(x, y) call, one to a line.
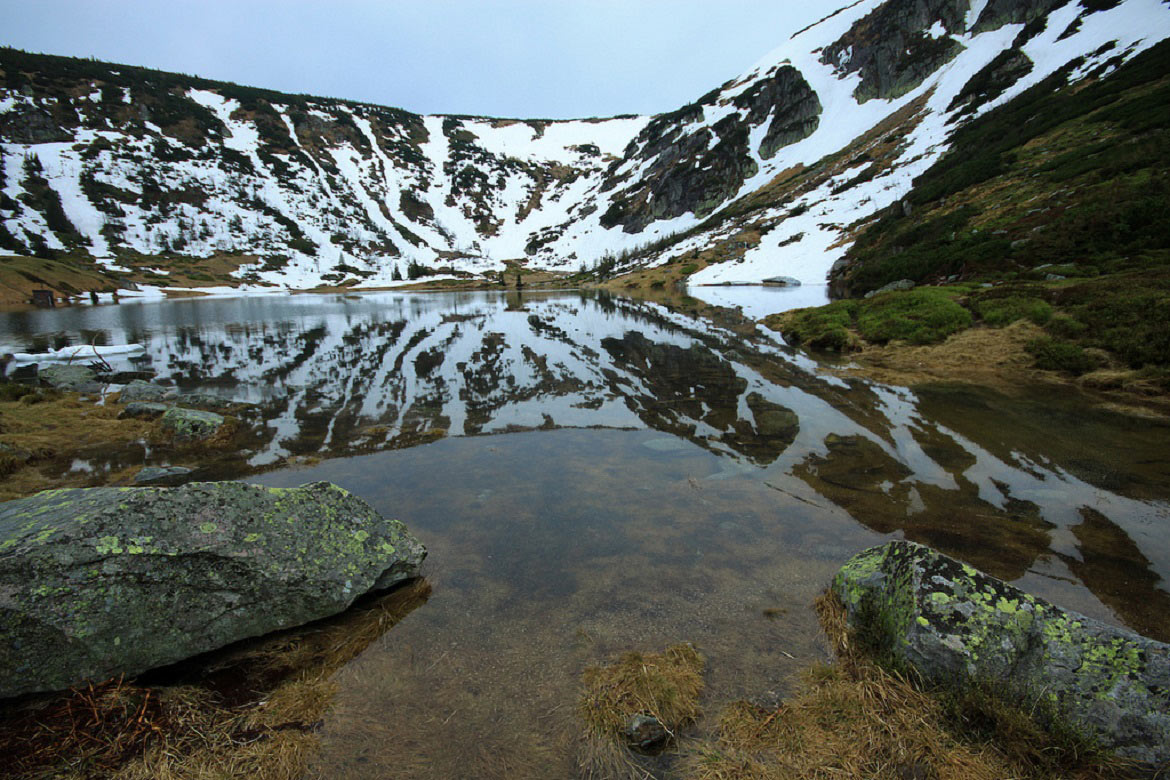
point(321, 191)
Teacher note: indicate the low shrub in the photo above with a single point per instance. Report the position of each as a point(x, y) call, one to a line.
point(1053, 355)
point(1065, 327)
point(821, 327)
point(998, 312)
point(921, 316)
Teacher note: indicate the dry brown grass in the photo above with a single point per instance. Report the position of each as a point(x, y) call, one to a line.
point(255, 714)
point(45, 431)
point(990, 356)
point(19, 276)
point(49, 429)
point(854, 719)
point(664, 685)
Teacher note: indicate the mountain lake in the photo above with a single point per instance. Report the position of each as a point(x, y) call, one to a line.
point(594, 474)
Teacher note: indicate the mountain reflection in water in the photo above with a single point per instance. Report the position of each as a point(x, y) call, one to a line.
point(709, 478)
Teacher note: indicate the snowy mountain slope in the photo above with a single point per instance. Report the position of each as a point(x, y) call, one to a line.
point(761, 177)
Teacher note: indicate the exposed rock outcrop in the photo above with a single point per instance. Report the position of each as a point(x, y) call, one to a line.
point(894, 48)
point(792, 104)
point(998, 13)
point(106, 581)
point(692, 167)
point(957, 627)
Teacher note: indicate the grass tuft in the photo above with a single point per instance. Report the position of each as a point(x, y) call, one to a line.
point(664, 685)
point(856, 719)
point(254, 711)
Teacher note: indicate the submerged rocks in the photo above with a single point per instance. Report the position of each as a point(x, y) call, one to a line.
point(959, 627)
point(106, 581)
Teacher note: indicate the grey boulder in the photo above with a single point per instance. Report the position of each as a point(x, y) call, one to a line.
point(191, 425)
point(100, 582)
point(901, 284)
point(139, 390)
point(69, 377)
point(959, 627)
point(143, 410)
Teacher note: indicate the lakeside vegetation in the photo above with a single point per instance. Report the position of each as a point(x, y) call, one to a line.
point(1107, 332)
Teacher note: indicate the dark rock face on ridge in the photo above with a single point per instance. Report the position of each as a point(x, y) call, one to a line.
point(694, 167)
point(997, 13)
point(793, 105)
point(892, 49)
point(957, 626)
point(106, 581)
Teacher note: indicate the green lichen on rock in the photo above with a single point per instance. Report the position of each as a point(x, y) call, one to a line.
point(105, 581)
point(958, 627)
point(190, 425)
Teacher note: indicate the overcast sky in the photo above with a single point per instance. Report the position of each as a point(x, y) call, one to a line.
point(522, 58)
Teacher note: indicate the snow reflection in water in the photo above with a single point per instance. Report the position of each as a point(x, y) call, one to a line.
point(652, 478)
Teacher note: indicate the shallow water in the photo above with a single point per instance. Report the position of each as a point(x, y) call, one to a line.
point(593, 475)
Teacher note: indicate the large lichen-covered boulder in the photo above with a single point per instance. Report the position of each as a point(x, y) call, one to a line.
point(958, 627)
point(100, 582)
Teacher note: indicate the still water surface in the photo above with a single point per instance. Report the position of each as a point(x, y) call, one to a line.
point(594, 474)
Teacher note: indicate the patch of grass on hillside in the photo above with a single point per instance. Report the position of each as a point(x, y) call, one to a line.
point(1004, 310)
point(921, 316)
point(19, 276)
point(827, 328)
point(1125, 314)
point(1056, 355)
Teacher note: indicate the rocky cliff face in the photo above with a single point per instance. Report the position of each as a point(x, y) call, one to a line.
point(694, 159)
point(898, 45)
point(186, 179)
